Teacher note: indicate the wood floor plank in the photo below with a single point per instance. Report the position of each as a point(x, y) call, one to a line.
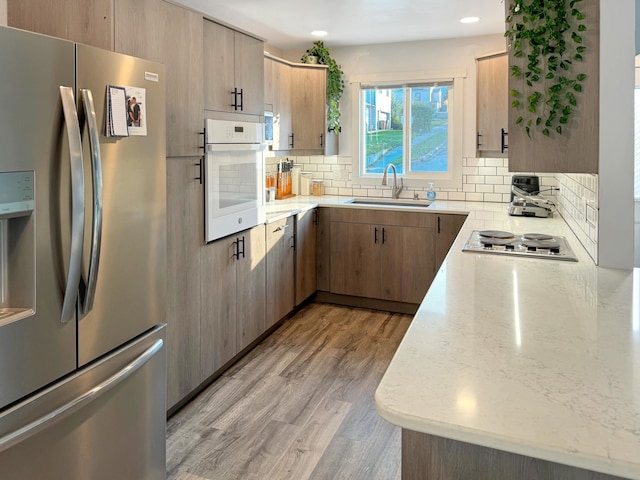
point(300, 459)
point(298, 406)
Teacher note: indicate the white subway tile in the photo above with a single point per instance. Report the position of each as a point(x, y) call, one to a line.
point(493, 197)
point(494, 162)
point(474, 197)
point(457, 196)
point(360, 192)
point(469, 187)
point(442, 196)
point(502, 188)
point(475, 179)
point(345, 191)
point(487, 170)
point(331, 160)
point(503, 171)
point(344, 160)
point(330, 190)
point(324, 168)
point(482, 188)
point(494, 180)
point(470, 170)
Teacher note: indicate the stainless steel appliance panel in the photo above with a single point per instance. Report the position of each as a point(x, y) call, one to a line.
point(131, 280)
point(40, 348)
point(105, 422)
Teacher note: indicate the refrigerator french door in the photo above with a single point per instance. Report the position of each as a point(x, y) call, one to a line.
point(82, 264)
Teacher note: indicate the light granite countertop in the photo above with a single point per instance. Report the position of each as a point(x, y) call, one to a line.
point(531, 356)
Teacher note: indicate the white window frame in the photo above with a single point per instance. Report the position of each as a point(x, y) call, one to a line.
point(450, 179)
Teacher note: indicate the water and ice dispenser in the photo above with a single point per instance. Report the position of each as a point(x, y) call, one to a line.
point(17, 246)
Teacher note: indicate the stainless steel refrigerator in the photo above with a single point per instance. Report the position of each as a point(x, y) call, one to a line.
point(82, 266)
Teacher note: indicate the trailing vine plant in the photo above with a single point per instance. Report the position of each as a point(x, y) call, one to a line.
point(548, 36)
point(335, 83)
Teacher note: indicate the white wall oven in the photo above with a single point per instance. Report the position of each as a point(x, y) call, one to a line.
point(234, 179)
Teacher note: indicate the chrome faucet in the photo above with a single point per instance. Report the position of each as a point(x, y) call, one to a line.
point(395, 190)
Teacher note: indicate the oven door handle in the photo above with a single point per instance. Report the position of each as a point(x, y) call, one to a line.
point(236, 147)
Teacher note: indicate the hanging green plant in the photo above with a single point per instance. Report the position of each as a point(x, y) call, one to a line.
point(335, 83)
point(548, 38)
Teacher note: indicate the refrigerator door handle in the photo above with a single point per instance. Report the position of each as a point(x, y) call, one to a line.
point(74, 405)
point(96, 228)
point(77, 204)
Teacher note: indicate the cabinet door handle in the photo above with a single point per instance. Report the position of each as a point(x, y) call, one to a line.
point(235, 104)
point(294, 242)
point(315, 217)
point(383, 235)
point(236, 249)
point(204, 137)
point(280, 228)
point(375, 235)
point(241, 99)
point(438, 223)
point(235, 98)
point(321, 140)
point(503, 146)
point(291, 140)
point(199, 177)
point(478, 144)
point(242, 247)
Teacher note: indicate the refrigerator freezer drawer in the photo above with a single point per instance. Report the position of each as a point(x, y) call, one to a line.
point(106, 421)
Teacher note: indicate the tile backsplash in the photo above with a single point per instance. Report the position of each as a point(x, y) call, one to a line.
point(483, 180)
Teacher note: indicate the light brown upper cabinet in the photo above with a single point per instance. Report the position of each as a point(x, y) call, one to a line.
point(492, 104)
point(297, 93)
point(233, 71)
point(277, 96)
point(576, 150)
point(84, 21)
point(308, 98)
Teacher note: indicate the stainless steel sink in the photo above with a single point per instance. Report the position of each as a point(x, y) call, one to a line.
point(391, 202)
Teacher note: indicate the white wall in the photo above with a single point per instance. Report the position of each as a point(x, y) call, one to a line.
point(422, 56)
point(617, 47)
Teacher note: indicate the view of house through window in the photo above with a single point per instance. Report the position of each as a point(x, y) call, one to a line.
point(407, 126)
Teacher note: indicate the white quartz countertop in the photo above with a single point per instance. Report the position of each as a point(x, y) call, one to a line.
point(531, 356)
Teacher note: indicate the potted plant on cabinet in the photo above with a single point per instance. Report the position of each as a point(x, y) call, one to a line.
point(318, 53)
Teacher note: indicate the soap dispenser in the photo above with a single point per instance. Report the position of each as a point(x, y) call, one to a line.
point(431, 194)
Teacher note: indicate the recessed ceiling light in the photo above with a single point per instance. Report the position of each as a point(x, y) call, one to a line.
point(318, 33)
point(470, 19)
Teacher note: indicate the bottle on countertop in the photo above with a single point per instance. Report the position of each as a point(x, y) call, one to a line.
point(431, 193)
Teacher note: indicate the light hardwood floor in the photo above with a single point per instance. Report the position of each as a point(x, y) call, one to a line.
point(299, 406)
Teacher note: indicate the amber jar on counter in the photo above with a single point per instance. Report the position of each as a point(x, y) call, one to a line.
point(317, 188)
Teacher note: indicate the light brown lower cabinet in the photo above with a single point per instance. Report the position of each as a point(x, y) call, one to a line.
point(233, 297)
point(437, 458)
point(185, 237)
point(280, 269)
point(391, 259)
point(306, 254)
point(446, 232)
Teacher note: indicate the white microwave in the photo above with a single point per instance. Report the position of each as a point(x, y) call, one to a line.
point(234, 177)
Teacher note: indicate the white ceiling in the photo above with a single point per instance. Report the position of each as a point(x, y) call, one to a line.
point(287, 24)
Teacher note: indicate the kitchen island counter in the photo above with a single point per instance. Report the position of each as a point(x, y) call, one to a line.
point(534, 357)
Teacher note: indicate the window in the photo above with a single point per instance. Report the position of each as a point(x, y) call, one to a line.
point(410, 124)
